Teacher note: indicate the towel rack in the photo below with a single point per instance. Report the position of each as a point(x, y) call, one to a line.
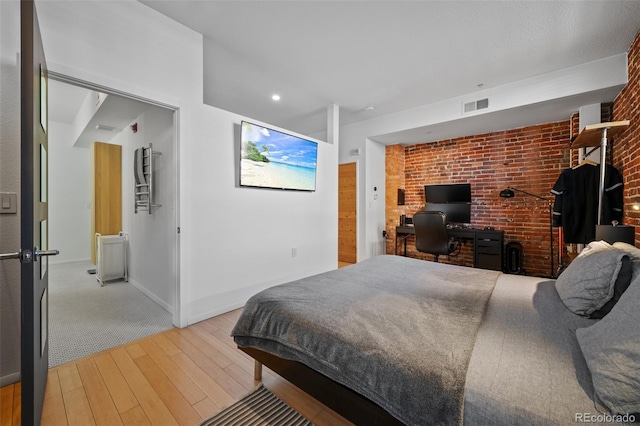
point(143, 179)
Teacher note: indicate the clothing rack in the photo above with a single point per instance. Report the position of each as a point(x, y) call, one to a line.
point(595, 135)
point(143, 179)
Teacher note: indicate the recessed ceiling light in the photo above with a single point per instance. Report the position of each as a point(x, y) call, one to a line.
point(369, 108)
point(275, 97)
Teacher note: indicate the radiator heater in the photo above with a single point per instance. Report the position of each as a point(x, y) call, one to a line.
point(111, 260)
point(377, 248)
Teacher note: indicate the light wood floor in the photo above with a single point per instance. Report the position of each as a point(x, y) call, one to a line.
point(178, 377)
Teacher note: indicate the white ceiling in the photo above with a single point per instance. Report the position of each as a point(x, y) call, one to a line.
point(92, 119)
point(392, 55)
point(65, 101)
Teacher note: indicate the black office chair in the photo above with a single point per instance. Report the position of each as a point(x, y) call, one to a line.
point(431, 234)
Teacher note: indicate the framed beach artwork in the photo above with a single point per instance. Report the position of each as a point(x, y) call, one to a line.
point(276, 160)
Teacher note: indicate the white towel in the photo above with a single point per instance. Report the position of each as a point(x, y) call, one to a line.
point(138, 166)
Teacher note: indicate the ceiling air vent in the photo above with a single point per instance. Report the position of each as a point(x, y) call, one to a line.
point(475, 105)
point(105, 127)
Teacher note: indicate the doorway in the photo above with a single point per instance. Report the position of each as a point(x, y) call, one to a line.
point(131, 122)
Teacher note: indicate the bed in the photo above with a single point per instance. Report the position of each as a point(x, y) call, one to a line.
point(395, 340)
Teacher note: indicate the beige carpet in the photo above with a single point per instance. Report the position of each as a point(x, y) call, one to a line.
point(259, 408)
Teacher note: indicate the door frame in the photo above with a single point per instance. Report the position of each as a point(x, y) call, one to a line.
point(178, 321)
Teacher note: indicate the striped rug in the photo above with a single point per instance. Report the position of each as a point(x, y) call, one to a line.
point(259, 408)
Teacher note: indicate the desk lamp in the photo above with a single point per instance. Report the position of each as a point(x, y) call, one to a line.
point(509, 193)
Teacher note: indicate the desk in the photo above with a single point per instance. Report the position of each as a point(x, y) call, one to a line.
point(487, 244)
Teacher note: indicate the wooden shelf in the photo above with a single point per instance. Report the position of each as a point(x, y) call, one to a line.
point(591, 135)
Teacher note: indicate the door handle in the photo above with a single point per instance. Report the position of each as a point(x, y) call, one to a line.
point(39, 253)
point(6, 256)
point(26, 256)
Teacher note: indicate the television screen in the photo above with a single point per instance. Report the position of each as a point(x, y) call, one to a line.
point(448, 193)
point(272, 159)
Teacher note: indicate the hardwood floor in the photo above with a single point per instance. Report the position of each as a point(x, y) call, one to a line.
point(178, 377)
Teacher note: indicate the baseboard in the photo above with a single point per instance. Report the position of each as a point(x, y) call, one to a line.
point(53, 261)
point(221, 303)
point(9, 379)
point(152, 296)
point(215, 312)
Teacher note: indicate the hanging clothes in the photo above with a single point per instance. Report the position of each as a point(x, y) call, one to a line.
point(576, 201)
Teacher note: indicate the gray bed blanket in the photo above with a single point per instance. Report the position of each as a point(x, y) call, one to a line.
point(397, 330)
point(527, 367)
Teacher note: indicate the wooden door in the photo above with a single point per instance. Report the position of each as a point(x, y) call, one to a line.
point(106, 206)
point(347, 218)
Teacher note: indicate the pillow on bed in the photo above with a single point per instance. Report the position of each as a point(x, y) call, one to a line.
point(622, 283)
point(589, 281)
point(632, 251)
point(611, 348)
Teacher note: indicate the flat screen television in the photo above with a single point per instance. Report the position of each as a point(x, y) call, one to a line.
point(276, 160)
point(448, 193)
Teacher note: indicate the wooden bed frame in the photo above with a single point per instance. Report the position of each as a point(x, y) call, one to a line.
point(346, 402)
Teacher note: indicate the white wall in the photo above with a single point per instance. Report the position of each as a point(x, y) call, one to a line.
point(233, 240)
point(9, 182)
point(70, 195)
point(245, 236)
point(375, 178)
point(152, 249)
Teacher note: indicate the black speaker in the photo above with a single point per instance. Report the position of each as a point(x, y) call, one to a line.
point(514, 258)
point(400, 197)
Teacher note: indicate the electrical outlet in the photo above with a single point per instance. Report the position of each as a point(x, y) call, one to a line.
point(294, 252)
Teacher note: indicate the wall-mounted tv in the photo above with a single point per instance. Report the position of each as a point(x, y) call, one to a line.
point(277, 160)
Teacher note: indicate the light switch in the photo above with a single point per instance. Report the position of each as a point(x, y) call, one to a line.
point(8, 202)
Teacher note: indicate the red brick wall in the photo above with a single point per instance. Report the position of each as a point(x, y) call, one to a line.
point(626, 148)
point(529, 158)
point(394, 172)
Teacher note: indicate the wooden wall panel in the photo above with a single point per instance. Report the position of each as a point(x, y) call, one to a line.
point(106, 184)
point(347, 219)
